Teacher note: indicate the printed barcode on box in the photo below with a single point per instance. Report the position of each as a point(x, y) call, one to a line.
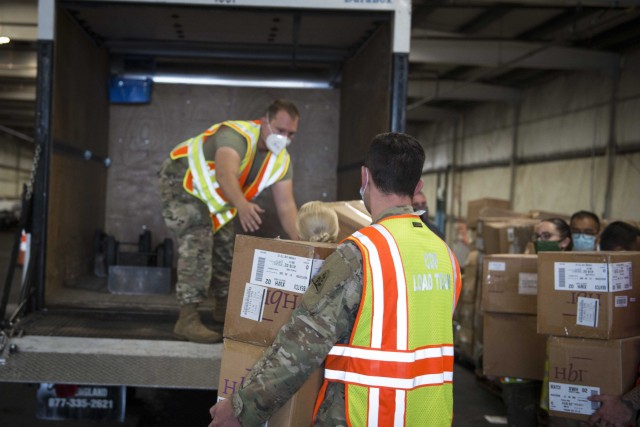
point(594, 405)
point(621, 301)
point(562, 281)
point(588, 310)
point(260, 269)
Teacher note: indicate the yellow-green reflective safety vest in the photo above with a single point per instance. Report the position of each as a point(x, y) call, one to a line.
point(398, 365)
point(200, 179)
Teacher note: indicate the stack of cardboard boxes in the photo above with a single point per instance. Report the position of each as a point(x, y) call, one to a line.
point(512, 346)
point(268, 278)
point(589, 305)
point(498, 230)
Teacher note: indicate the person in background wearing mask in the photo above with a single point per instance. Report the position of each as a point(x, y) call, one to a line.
point(585, 227)
point(419, 203)
point(552, 234)
point(206, 182)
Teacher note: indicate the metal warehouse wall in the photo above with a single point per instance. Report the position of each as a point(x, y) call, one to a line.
point(16, 159)
point(561, 141)
point(141, 137)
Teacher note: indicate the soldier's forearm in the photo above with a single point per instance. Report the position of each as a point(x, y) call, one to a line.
point(295, 354)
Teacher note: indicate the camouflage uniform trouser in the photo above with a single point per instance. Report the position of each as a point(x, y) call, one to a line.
point(203, 257)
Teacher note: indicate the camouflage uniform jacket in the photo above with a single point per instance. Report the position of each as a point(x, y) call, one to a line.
point(325, 317)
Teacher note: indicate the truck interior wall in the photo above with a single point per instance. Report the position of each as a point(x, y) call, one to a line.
point(365, 101)
point(562, 136)
point(141, 137)
point(77, 187)
point(15, 166)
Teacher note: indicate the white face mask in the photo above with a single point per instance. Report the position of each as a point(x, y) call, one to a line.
point(276, 142)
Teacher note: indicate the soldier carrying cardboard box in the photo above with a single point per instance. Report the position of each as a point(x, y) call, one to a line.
point(379, 309)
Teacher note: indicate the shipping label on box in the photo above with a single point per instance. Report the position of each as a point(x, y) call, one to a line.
point(527, 283)
point(572, 398)
point(589, 294)
point(579, 367)
point(281, 271)
point(268, 279)
point(257, 297)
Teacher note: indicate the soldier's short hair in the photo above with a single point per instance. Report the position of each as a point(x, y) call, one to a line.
point(282, 105)
point(395, 162)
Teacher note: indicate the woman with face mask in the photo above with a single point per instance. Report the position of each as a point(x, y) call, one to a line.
point(552, 234)
point(585, 227)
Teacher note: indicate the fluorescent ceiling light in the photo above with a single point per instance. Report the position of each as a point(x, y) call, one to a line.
point(228, 81)
point(4, 39)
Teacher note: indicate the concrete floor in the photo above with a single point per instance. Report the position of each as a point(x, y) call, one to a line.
point(474, 403)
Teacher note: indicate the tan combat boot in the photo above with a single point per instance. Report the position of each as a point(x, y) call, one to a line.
point(220, 309)
point(190, 327)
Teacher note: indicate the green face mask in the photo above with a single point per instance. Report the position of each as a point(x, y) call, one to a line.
point(546, 246)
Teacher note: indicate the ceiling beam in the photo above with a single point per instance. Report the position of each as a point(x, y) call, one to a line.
point(431, 90)
point(558, 22)
point(431, 114)
point(484, 19)
point(509, 54)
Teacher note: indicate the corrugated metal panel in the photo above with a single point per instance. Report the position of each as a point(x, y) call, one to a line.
point(626, 196)
point(564, 186)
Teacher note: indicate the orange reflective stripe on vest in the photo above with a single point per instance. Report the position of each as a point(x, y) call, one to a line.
point(402, 370)
point(200, 178)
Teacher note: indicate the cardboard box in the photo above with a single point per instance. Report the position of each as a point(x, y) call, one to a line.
point(237, 360)
point(352, 216)
point(512, 347)
point(510, 283)
point(475, 206)
point(470, 278)
point(580, 367)
point(541, 215)
point(589, 294)
point(505, 237)
point(268, 278)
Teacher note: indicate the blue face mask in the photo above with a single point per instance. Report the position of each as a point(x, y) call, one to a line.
point(583, 242)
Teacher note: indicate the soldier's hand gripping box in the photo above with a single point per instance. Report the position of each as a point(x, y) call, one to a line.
point(237, 360)
point(580, 367)
point(268, 278)
point(589, 294)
